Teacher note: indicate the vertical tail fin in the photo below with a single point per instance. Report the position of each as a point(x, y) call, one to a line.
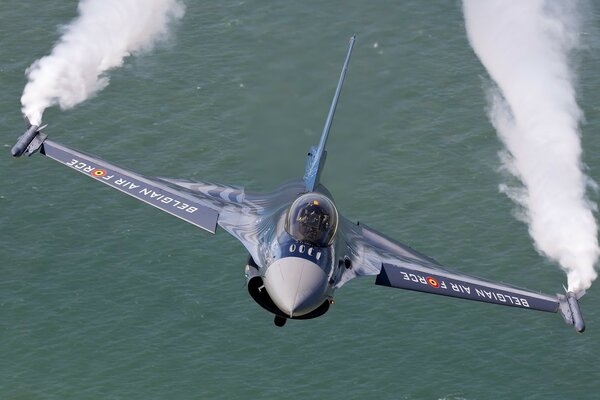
point(317, 155)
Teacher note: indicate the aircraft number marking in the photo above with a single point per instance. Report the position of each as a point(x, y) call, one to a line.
point(304, 249)
point(465, 289)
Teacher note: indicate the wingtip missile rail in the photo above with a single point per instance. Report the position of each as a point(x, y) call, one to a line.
point(30, 141)
point(569, 308)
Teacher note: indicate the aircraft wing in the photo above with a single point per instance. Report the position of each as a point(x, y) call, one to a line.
point(202, 204)
point(197, 211)
point(399, 266)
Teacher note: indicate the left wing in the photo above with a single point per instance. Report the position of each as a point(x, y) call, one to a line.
point(399, 266)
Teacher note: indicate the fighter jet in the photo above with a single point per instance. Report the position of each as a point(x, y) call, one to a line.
point(301, 249)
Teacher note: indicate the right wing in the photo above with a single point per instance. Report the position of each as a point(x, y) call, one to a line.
point(246, 216)
point(197, 211)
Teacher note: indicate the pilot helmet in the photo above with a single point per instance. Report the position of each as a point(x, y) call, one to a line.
point(312, 218)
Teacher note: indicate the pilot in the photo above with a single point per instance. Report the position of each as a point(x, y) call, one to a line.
point(312, 218)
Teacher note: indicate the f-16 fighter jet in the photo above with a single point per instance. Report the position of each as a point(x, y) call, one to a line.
point(301, 249)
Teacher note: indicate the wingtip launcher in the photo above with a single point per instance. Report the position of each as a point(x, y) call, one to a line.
point(30, 141)
point(569, 308)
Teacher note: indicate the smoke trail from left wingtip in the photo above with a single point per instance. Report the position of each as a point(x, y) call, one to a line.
point(525, 46)
point(104, 33)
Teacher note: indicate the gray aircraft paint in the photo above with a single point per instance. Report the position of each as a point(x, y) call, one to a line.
point(256, 220)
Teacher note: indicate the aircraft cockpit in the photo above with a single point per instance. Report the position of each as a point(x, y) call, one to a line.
point(312, 218)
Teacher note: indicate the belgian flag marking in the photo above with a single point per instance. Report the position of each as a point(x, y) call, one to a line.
point(98, 173)
point(433, 282)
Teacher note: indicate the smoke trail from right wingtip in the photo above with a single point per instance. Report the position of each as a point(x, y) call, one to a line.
point(104, 33)
point(525, 47)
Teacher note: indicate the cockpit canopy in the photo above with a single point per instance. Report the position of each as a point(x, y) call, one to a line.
point(312, 218)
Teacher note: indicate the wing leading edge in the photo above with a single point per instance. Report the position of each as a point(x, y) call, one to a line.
point(153, 192)
point(246, 216)
point(443, 283)
point(399, 266)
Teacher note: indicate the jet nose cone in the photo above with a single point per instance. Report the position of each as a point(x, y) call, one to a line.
point(297, 286)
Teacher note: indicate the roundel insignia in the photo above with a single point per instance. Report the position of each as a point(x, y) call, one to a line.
point(98, 172)
point(433, 282)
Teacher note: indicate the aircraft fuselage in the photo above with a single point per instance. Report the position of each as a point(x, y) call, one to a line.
point(296, 277)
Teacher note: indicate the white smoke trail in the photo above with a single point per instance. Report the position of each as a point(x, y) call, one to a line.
point(525, 47)
point(104, 33)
